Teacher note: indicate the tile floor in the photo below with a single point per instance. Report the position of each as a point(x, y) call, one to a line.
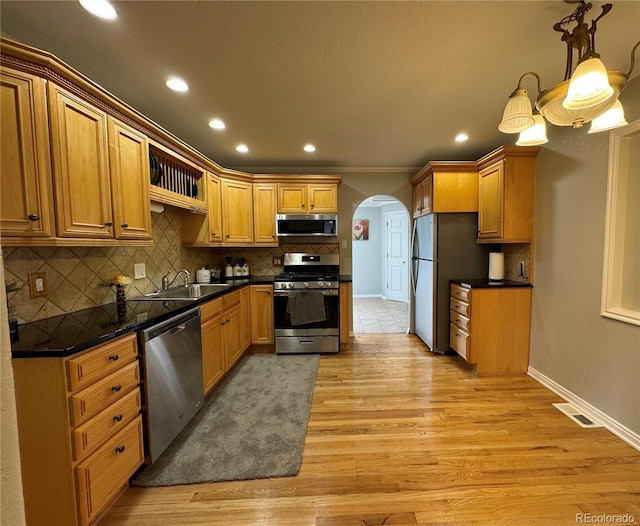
point(377, 315)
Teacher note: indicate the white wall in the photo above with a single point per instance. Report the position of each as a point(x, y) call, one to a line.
point(368, 255)
point(595, 358)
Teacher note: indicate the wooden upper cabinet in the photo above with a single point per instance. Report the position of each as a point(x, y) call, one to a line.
point(214, 210)
point(79, 151)
point(506, 195)
point(237, 212)
point(264, 210)
point(312, 198)
point(26, 198)
point(292, 199)
point(323, 198)
point(443, 186)
point(129, 162)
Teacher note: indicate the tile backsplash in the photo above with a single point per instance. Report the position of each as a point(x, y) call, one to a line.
point(76, 275)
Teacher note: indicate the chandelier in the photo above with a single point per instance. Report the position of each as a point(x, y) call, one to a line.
point(589, 95)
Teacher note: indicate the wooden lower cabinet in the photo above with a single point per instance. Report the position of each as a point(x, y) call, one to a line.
point(262, 315)
point(80, 431)
point(490, 328)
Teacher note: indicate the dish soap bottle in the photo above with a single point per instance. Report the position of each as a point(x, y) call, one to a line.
point(228, 271)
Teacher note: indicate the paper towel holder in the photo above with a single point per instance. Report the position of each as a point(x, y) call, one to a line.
point(496, 266)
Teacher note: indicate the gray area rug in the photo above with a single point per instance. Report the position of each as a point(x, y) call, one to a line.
point(253, 426)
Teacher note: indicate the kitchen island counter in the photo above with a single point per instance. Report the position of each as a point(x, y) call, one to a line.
point(489, 284)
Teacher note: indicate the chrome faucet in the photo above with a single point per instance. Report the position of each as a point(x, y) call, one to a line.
point(165, 279)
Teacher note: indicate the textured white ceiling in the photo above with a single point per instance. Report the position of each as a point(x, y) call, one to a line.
point(384, 85)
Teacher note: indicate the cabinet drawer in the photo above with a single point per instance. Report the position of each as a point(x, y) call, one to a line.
point(459, 320)
point(460, 293)
point(102, 474)
point(103, 426)
point(91, 401)
point(210, 309)
point(230, 299)
point(91, 366)
point(459, 341)
point(460, 307)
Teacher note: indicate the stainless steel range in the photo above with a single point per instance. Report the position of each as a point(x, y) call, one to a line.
point(306, 304)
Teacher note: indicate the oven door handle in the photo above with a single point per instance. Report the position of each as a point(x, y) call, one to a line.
point(329, 292)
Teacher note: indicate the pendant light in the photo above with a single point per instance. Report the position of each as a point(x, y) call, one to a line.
point(613, 118)
point(580, 98)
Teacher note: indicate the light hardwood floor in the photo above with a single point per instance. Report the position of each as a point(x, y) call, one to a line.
point(398, 436)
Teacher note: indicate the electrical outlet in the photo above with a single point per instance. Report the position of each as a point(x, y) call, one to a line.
point(37, 284)
point(521, 268)
point(139, 271)
point(277, 261)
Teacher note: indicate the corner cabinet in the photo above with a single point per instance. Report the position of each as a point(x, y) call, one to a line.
point(80, 431)
point(445, 187)
point(506, 192)
point(26, 194)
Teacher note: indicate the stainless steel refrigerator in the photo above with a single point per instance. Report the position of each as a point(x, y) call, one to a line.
point(443, 248)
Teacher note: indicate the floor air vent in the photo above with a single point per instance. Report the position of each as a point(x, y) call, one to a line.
point(576, 415)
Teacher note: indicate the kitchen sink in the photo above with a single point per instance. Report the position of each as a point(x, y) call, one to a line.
point(191, 292)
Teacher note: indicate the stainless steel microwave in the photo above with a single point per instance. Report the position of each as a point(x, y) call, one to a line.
point(307, 225)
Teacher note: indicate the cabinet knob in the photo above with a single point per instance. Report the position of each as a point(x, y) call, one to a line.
point(223, 323)
point(124, 225)
point(114, 357)
point(228, 321)
point(228, 235)
point(119, 449)
point(117, 418)
point(33, 217)
point(108, 223)
point(116, 388)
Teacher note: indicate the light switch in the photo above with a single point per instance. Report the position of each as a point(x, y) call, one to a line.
point(344, 243)
point(139, 271)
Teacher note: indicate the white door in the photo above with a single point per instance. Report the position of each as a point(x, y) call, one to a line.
point(397, 256)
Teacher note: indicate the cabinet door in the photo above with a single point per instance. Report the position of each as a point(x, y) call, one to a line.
point(292, 198)
point(417, 200)
point(245, 318)
point(491, 200)
point(237, 212)
point(264, 209)
point(213, 365)
point(427, 194)
point(231, 334)
point(262, 314)
point(26, 198)
point(323, 198)
point(129, 163)
point(214, 213)
point(79, 154)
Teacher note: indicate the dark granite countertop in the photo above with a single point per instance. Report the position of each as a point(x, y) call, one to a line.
point(487, 284)
point(73, 332)
point(345, 278)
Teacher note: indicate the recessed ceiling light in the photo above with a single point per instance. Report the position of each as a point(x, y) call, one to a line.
point(177, 84)
point(309, 148)
point(242, 148)
point(462, 137)
point(100, 8)
point(217, 124)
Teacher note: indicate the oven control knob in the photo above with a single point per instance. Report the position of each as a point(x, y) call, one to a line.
point(306, 285)
point(290, 285)
point(321, 284)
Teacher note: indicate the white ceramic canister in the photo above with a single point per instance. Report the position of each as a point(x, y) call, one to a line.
point(203, 275)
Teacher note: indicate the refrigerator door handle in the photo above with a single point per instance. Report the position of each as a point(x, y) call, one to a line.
point(414, 274)
point(413, 241)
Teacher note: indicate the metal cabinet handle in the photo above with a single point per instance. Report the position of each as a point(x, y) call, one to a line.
point(33, 217)
point(124, 225)
point(108, 223)
point(114, 357)
point(120, 449)
point(116, 388)
point(117, 418)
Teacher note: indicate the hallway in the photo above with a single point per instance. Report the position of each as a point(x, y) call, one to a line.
point(377, 315)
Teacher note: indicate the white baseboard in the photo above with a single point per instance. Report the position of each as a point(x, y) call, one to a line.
point(630, 437)
point(367, 296)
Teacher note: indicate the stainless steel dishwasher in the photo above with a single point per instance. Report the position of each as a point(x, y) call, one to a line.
point(172, 361)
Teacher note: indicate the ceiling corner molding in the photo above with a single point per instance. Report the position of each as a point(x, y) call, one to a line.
point(305, 170)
